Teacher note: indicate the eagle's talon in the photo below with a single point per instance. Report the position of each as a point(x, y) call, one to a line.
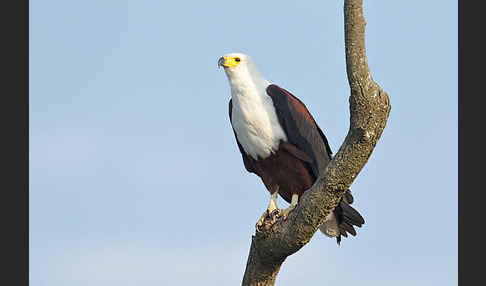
point(276, 213)
point(293, 204)
point(258, 227)
point(261, 220)
point(287, 211)
point(267, 219)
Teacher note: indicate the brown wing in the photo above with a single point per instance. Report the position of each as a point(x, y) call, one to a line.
point(303, 132)
point(247, 160)
point(300, 127)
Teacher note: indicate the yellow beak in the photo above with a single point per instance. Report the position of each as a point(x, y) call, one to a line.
point(227, 62)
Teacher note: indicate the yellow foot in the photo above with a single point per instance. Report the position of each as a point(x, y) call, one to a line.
point(293, 203)
point(286, 212)
point(261, 220)
point(268, 215)
point(272, 213)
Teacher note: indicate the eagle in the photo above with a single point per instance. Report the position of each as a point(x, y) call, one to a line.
point(280, 142)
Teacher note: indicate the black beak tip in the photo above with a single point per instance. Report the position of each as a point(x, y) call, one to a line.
point(220, 62)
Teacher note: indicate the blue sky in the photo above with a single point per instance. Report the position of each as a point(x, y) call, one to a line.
point(135, 178)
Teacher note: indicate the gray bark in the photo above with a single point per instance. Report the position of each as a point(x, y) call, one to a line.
point(369, 110)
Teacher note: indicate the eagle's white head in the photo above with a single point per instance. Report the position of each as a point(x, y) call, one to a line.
point(253, 114)
point(241, 70)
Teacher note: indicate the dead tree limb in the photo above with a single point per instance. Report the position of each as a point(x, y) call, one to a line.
point(369, 110)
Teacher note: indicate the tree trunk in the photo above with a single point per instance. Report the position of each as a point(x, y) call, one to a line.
point(369, 110)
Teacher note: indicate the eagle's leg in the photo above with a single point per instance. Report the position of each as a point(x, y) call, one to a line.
point(293, 203)
point(272, 207)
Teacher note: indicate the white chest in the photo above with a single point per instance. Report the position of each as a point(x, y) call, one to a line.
point(256, 124)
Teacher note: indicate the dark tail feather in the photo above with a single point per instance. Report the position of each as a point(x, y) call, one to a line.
point(347, 227)
point(347, 217)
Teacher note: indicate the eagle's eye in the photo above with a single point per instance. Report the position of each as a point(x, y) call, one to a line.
point(237, 59)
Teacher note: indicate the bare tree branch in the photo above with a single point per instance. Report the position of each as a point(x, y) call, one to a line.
point(369, 110)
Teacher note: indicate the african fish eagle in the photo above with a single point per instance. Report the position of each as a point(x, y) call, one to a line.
point(280, 142)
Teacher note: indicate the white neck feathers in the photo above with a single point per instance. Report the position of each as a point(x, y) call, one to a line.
point(253, 116)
